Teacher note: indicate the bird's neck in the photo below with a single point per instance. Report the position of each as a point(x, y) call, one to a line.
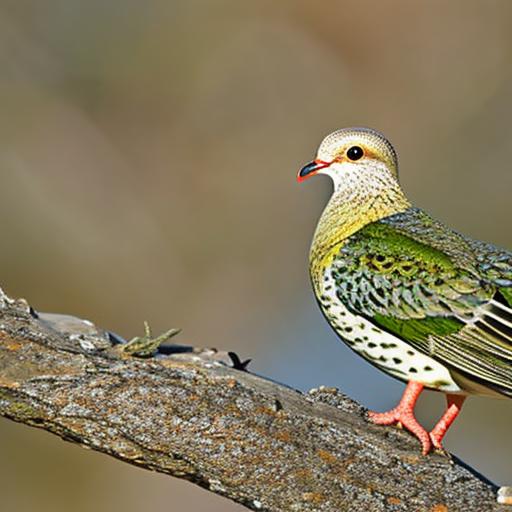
point(350, 209)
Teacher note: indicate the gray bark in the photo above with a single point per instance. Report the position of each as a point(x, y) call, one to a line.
point(190, 414)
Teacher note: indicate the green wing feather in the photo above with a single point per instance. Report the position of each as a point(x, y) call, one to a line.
point(507, 295)
point(447, 295)
point(419, 330)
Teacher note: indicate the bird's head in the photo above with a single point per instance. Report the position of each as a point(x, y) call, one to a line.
point(353, 155)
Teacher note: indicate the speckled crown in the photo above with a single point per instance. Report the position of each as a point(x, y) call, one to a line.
point(369, 137)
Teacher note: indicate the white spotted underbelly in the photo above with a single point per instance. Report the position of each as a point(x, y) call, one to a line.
point(388, 352)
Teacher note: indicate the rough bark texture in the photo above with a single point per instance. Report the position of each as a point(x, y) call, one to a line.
point(188, 413)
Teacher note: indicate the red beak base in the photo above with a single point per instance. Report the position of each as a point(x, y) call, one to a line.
point(311, 169)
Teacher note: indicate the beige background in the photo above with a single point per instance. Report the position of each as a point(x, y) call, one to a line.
point(148, 153)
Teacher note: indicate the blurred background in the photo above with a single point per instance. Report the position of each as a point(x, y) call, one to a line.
point(148, 153)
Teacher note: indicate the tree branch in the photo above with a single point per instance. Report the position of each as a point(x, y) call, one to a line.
point(189, 414)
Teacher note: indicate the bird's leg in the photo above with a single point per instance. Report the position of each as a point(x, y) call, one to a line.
point(453, 407)
point(403, 414)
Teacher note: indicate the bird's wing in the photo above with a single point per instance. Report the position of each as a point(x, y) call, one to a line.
point(446, 295)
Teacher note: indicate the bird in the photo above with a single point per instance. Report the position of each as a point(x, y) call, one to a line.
point(415, 298)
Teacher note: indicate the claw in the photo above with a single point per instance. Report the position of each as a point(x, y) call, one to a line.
point(403, 415)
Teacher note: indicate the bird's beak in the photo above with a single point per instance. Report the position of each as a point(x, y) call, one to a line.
point(311, 169)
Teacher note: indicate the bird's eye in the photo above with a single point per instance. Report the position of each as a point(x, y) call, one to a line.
point(355, 153)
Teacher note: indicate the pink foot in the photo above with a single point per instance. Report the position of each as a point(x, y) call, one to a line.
point(454, 405)
point(403, 414)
